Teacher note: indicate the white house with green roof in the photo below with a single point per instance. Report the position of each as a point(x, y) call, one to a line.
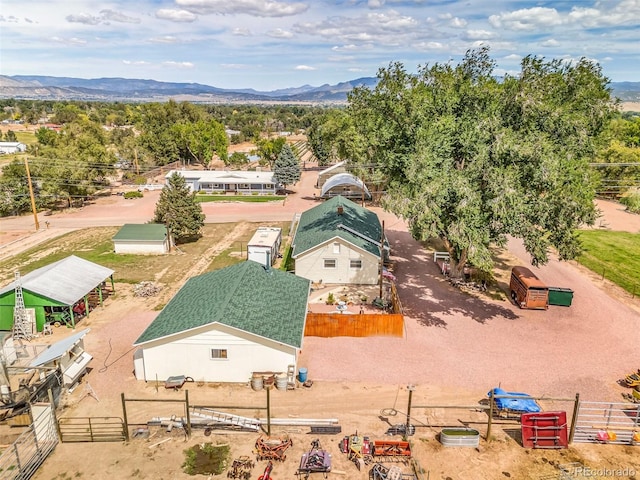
point(224, 325)
point(147, 238)
point(338, 242)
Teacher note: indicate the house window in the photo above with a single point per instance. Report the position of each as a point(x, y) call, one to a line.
point(355, 263)
point(219, 353)
point(336, 247)
point(329, 263)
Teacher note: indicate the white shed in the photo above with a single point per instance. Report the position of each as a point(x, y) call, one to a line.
point(224, 325)
point(148, 238)
point(12, 147)
point(265, 245)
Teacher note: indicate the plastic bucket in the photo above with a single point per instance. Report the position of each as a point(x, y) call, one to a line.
point(257, 383)
point(302, 375)
point(281, 382)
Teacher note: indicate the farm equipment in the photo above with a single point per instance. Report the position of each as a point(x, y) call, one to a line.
point(398, 449)
point(241, 468)
point(631, 380)
point(358, 449)
point(272, 449)
point(267, 472)
point(380, 472)
point(315, 460)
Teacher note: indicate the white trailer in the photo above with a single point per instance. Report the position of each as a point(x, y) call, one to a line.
point(265, 245)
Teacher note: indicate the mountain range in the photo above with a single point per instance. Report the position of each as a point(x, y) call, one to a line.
point(38, 87)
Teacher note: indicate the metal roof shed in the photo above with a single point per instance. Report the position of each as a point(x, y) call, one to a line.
point(63, 285)
point(69, 355)
point(148, 238)
point(346, 185)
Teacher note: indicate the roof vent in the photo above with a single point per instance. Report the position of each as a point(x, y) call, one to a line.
point(340, 210)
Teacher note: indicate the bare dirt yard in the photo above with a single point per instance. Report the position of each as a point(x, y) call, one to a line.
point(456, 347)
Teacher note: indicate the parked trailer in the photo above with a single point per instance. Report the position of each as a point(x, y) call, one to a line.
point(527, 290)
point(265, 245)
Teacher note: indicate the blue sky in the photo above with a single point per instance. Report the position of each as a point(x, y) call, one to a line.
point(270, 44)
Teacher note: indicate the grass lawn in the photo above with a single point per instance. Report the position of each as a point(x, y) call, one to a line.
point(239, 198)
point(615, 255)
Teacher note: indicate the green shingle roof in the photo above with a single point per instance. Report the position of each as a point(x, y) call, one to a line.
point(322, 223)
point(142, 232)
point(269, 303)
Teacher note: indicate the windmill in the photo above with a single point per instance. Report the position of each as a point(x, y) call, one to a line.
point(22, 329)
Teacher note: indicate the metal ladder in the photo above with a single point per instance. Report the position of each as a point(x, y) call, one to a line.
point(226, 418)
point(20, 320)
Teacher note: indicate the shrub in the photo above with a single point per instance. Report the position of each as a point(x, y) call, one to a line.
point(331, 299)
point(133, 194)
point(631, 200)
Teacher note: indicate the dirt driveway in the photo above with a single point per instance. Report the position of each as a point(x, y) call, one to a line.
point(456, 348)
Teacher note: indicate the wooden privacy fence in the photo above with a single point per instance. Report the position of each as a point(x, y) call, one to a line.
point(360, 325)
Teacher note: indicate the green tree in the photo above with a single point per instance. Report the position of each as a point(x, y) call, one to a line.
point(237, 159)
point(287, 167)
point(178, 210)
point(471, 159)
point(269, 149)
point(10, 136)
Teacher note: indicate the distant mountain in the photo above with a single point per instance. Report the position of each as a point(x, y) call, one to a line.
point(124, 89)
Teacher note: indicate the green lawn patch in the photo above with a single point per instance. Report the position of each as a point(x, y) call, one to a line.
point(614, 255)
point(239, 198)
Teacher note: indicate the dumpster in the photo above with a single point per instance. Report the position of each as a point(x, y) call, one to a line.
point(560, 296)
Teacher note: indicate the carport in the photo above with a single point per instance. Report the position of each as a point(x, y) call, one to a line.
point(346, 185)
point(61, 292)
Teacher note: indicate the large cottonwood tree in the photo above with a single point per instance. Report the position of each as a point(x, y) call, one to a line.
point(471, 158)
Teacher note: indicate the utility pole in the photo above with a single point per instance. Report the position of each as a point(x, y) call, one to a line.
point(33, 200)
point(407, 430)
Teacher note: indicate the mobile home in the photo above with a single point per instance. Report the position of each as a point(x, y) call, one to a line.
point(265, 245)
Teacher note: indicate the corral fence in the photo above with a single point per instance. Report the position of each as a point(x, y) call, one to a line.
point(607, 422)
point(22, 458)
point(328, 325)
point(92, 429)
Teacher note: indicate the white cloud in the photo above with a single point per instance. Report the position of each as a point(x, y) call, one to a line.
point(236, 66)
point(105, 17)
point(375, 3)
point(429, 46)
point(304, 67)
point(457, 22)
point(478, 35)
point(178, 64)
point(69, 41)
point(242, 32)
point(9, 19)
point(536, 18)
point(341, 58)
point(256, 8)
point(167, 39)
point(113, 16)
point(513, 58)
point(135, 62)
point(279, 33)
point(551, 42)
point(84, 18)
point(172, 15)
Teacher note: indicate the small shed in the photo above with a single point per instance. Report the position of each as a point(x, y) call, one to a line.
point(224, 325)
point(12, 147)
point(346, 185)
point(62, 292)
point(329, 172)
point(69, 355)
point(148, 238)
point(265, 245)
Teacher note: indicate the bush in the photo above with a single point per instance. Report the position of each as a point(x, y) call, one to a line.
point(133, 194)
point(631, 200)
point(331, 299)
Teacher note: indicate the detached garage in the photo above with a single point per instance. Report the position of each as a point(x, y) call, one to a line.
point(148, 238)
point(224, 325)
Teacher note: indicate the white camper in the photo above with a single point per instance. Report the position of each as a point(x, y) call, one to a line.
point(265, 245)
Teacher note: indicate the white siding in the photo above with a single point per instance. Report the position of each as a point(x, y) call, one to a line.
point(311, 264)
point(191, 356)
point(155, 248)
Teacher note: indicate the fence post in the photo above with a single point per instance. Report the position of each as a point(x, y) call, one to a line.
point(603, 274)
point(490, 416)
point(53, 413)
point(124, 417)
point(186, 402)
point(574, 418)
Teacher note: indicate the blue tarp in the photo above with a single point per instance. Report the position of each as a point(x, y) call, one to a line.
point(524, 404)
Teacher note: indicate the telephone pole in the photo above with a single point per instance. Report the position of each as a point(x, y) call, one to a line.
point(33, 200)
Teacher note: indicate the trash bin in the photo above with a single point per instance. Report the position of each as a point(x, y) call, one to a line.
point(302, 375)
point(560, 296)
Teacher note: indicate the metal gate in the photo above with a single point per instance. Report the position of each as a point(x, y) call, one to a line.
point(607, 422)
point(22, 458)
point(92, 429)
